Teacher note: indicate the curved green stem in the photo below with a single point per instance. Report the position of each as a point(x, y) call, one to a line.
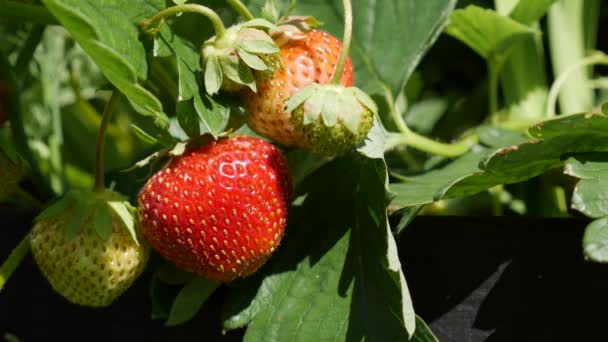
point(26, 12)
point(425, 144)
point(107, 112)
point(346, 40)
point(27, 51)
point(18, 131)
point(596, 58)
point(241, 9)
point(14, 260)
point(215, 19)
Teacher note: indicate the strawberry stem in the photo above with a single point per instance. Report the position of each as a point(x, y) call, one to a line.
point(215, 19)
point(14, 260)
point(348, 33)
point(241, 9)
point(103, 127)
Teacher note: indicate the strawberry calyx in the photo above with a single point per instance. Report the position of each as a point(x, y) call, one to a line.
point(293, 28)
point(84, 205)
point(334, 118)
point(243, 53)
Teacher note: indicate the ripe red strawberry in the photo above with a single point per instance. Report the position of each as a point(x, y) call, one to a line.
point(312, 57)
point(219, 210)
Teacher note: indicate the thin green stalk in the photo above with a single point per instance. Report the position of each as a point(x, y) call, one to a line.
point(241, 9)
point(215, 19)
point(18, 131)
point(26, 12)
point(14, 260)
point(425, 144)
point(107, 112)
point(493, 73)
point(419, 142)
point(29, 47)
point(558, 84)
point(346, 40)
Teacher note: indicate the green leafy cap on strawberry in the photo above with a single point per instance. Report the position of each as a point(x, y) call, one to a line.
point(334, 118)
point(292, 28)
point(86, 205)
point(233, 60)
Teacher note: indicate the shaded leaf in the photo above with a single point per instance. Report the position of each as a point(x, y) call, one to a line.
point(485, 31)
point(190, 300)
point(123, 212)
point(337, 275)
point(112, 42)
point(76, 220)
point(423, 332)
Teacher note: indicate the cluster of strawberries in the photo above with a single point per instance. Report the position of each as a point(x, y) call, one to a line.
point(218, 210)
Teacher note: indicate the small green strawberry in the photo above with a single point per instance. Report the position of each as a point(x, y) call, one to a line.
point(334, 118)
point(87, 248)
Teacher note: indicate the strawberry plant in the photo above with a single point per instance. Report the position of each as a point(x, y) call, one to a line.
point(268, 155)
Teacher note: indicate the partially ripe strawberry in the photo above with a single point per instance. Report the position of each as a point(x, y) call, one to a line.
point(310, 57)
point(219, 210)
point(85, 247)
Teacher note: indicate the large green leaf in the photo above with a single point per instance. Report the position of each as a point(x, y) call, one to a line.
point(108, 32)
point(337, 275)
point(486, 32)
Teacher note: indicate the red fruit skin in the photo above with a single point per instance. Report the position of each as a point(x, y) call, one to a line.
point(218, 211)
point(313, 58)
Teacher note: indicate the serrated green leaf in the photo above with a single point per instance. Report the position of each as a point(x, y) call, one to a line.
point(485, 31)
point(595, 241)
point(252, 60)
point(499, 137)
point(76, 220)
point(121, 209)
point(423, 115)
point(213, 75)
point(587, 166)
point(298, 98)
point(112, 42)
point(190, 299)
point(340, 264)
point(589, 194)
point(103, 221)
point(578, 124)
point(422, 189)
point(59, 207)
point(237, 71)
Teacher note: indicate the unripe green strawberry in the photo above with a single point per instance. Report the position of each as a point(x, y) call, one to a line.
point(334, 118)
point(219, 210)
point(307, 57)
point(85, 247)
